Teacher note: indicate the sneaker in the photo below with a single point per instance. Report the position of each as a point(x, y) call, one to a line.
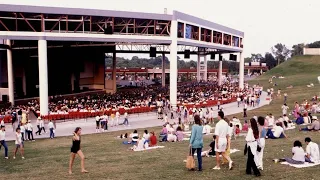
point(6, 158)
point(230, 165)
point(14, 157)
point(22, 157)
point(216, 168)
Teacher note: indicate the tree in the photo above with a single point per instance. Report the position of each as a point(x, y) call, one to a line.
point(297, 50)
point(315, 44)
point(280, 52)
point(270, 60)
point(256, 58)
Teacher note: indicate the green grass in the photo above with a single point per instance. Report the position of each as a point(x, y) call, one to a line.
point(107, 158)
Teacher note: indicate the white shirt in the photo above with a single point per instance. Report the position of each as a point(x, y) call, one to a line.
point(206, 129)
point(221, 129)
point(2, 135)
point(41, 123)
point(271, 121)
point(250, 136)
point(117, 114)
point(285, 118)
point(29, 127)
point(125, 115)
point(134, 136)
point(277, 131)
point(230, 131)
point(146, 136)
point(50, 125)
point(18, 138)
point(313, 150)
point(298, 154)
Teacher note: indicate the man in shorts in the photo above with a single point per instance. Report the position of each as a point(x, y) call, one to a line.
point(222, 138)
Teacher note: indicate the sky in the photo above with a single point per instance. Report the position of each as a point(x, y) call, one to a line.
point(264, 22)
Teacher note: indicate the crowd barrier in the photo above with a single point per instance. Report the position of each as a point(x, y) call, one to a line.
point(84, 115)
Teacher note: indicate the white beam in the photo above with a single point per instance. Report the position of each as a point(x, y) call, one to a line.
point(241, 71)
point(163, 76)
point(173, 63)
point(205, 75)
point(43, 77)
point(198, 67)
point(10, 73)
point(220, 73)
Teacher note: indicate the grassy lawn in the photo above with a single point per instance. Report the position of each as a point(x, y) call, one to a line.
point(107, 158)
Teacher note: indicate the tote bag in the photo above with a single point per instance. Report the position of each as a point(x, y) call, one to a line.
point(190, 161)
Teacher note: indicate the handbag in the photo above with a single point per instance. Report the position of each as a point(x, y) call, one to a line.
point(190, 165)
point(259, 148)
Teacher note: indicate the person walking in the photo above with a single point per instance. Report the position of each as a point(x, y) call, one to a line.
point(3, 141)
point(261, 141)
point(245, 106)
point(19, 116)
point(196, 140)
point(30, 131)
point(76, 150)
point(51, 128)
point(19, 144)
point(252, 148)
point(126, 122)
point(38, 126)
point(222, 137)
point(42, 125)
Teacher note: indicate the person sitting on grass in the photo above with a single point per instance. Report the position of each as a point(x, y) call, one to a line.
point(206, 129)
point(276, 133)
point(299, 120)
point(146, 135)
point(134, 137)
point(141, 145)
point(298, 154)
point(171, 137)
point(179, 134)
point(153, 139)
point(315, 126)
point(312, 149)
point(237, 130)
point(164, 134)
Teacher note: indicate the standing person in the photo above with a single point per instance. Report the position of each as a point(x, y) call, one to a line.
point(19, 144)
point(19, 116)
point(75, 149)
point(230, 133)
point(117, 117)
point(285, 96)
point(125, 122)
point(196, 140)
point(3, 141)
point(261, 141)
point(30, 131)
point(42, 125)
point(285, 109)
point(239, 101)
point(252, 145)
point(245, 106)
point(218, 104)
point(23, 132)
point(51, 128)
point(98, 123)
point(222, 136)
point(14, 120)
point(38, 125)
point(103, 122)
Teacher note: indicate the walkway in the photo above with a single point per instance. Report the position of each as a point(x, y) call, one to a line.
point(144, 120)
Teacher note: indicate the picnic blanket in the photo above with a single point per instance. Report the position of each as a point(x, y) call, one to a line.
point(186, 139)
point(292, 127)
point(306, 164)
point(205, 152)
point(149, 148)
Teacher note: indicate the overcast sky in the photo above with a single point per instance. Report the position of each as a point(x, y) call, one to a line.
point(264, 23)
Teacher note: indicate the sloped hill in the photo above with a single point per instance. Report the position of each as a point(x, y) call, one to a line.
point(298, 72)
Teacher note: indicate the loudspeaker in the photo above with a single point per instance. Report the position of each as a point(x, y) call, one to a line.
point(235, 57)
point(231, 57)
point(108, 30)
point(153, 52)
point(249, 63)
point(5, 98)
point(212, 56)
point(187, 54)
point(220, 58)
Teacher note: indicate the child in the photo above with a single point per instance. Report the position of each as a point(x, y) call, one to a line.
point(237, 130)
point(153, 139)
point(211, 151)
point(245, 126)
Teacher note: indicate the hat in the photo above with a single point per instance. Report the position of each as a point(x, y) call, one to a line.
point(314, 118)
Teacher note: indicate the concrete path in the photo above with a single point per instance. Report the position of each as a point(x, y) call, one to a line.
point(144, 120)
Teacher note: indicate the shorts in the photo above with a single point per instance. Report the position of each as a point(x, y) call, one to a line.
point(18, 145)
point(222, 145)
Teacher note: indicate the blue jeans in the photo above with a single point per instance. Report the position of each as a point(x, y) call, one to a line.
point(125, 122)
point(51, 133)
point(199, 150)
point(271, 136)
point(164, 137)
point(4, 144)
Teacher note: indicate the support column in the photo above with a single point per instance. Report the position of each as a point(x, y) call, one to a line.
point(173, 62)
point(220, 73)
point(114, 72)
point(205, 73)
point(241, 71)
point(163, 76)
point(10, 73)
point(43, 77)
point(248, 71)
point(24, 82)
point(198, 68)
